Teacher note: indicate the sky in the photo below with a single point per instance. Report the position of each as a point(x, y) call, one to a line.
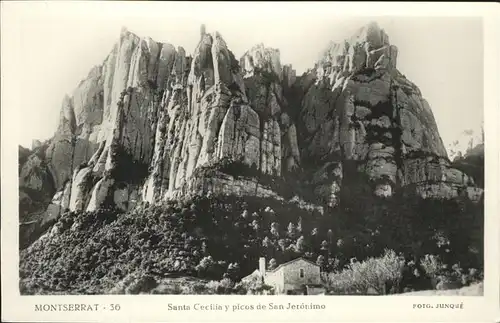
point(48, 47)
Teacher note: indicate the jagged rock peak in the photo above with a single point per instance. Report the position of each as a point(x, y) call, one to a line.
point(67, 116)
point(372, 34)
point(212, 62)
point(262, 58)
point(124, 30)
point(368, 47)
point(213, 35)
point(35, 144)
point(126, 34)
point(179, 120)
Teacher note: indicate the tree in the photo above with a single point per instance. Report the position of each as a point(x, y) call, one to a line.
point(330, 236)
point(272, 264)
point(233, 270)
point(269, 210)
point(299, 226)
point(300, 245)
point(204, 248)
point(333, 264)
point(321, 261)
point(255, 225)
point(266, 242)
point(282, 244)
point(292, 231)
point(275, 229)
point(205, 266)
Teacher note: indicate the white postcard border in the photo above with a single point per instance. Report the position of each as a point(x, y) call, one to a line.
point(337, 308)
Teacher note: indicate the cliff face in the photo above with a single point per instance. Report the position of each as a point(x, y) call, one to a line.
point(145, 125)
point(36, 189)
point(359, 114)
point(36, 184)
point(176, 114)
point(472, 163)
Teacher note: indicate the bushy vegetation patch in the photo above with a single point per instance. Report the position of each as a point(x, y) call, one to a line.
point(215, 238)
point(380, 275)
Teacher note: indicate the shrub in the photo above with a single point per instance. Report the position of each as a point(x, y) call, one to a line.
point(381, 274)
point(444, 277)
point(432, 266)
point(183, 286)
point(472, 276)
point(447, 282)
point(240, 289)
point(208, 267)
point(171, 289)
point(135, 283)
point(233, 270)
point(255, 286)
point(272, 264)
point(224, 286)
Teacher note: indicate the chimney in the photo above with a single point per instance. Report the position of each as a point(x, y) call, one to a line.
point(262, 266)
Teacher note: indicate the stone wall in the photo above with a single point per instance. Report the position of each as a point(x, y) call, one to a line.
point(291, 274)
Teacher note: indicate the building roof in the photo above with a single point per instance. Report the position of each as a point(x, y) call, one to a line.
point(292, 261)
point(256, 272)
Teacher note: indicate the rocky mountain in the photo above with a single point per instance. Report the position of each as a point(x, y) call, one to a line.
point(472, 163)
point(153, 124)
point(467, 154)
point(465, 142)
point(36, 189)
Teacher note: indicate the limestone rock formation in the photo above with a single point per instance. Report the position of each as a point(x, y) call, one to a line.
point(151, 122)
point(36, 190)
point(223, 111)
point(358, 109)
point(23, 154)
point(260, 58)
point(465, 141)
point(36, 185)
point(165, 114)
point(472, 163)
point(36, 144)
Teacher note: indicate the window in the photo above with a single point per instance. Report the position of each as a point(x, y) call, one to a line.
point(301, 274)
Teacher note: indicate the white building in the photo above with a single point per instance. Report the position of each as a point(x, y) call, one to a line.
point(299, 276)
